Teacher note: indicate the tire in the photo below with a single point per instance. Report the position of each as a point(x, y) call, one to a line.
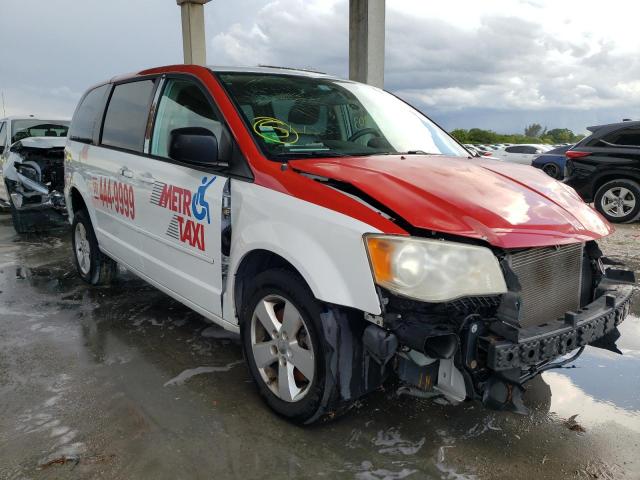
point(552, 170)
point(92, 265)
point(269, 295)
point(619, 200)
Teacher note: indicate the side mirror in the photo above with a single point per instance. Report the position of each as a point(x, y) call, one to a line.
point(195, 145)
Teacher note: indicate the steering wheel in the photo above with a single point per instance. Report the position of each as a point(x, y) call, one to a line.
point(365, 131)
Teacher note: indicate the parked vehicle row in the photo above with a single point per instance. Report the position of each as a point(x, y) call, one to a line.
point(316, 216)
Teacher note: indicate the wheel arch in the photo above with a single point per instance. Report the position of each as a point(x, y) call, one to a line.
point(609, 177)
point(77, 202)
point(253, 263)
point(77, 198)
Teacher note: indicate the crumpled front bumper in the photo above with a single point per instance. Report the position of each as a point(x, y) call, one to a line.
point(528, 347)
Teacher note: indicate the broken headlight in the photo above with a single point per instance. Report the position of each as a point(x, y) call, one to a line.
point(433, 270)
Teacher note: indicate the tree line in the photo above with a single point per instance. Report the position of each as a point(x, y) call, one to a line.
point(533, 133)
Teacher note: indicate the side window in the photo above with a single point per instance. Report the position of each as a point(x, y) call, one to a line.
point(2, 135)
point(127, 114)
point(529, 150)
point(88, 115)
point(513, 149)
point(183, 104)
point(627, 137)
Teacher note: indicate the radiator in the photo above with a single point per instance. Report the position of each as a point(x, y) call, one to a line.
point(551, 282)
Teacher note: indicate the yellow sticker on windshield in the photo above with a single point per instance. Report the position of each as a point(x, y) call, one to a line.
point(273, 130)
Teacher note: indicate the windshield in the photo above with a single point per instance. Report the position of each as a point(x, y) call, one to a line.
point(294, 116)
point(38, 128)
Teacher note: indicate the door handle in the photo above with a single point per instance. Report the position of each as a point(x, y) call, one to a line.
point(125, 172)
point(146, 178)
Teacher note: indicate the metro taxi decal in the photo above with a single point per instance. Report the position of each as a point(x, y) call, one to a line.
point(191, 209)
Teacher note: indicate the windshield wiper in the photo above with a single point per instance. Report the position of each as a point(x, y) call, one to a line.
point(409, 152)
point(310, 154)
point(418, 152)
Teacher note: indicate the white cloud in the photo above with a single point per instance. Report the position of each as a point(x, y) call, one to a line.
point(497, 64)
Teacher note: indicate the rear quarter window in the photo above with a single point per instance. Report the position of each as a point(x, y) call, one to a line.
point(127, 114)
point(88, 115)
point(627, 137)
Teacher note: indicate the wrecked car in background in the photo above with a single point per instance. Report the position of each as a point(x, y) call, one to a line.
point(32, 171)
point(347, 237)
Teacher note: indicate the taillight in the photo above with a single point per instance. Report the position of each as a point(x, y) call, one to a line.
point(486, 154)
point(576, 154)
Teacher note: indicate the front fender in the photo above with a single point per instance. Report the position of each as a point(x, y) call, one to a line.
point(324, 246)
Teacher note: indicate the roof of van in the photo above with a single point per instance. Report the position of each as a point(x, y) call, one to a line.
point(221, 69)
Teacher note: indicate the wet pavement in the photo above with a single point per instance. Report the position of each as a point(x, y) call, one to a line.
point(123, 382)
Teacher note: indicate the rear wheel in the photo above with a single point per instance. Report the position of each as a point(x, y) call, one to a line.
point(284, 345)
point(552, 170)
point(619, 200)
point(92, 265)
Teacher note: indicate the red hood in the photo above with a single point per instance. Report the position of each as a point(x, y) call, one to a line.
point(508, 205)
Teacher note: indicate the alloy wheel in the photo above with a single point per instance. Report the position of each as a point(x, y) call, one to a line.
point(83, 250)
point(282, 348)
point(618, 202)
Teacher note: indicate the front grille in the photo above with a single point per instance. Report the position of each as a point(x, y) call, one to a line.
point(550, 280)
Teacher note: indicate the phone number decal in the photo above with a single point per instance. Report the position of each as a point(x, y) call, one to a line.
point(115, 196)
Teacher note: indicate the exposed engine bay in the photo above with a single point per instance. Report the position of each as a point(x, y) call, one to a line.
point(34, 174)
point(559, 300)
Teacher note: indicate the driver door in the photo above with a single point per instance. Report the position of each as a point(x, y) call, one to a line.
point(180, 203)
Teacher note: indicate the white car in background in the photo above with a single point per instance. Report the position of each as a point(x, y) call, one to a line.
point(32, 171)
point(523, 154)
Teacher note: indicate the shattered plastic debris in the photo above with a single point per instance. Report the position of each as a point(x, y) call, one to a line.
point(192, 372)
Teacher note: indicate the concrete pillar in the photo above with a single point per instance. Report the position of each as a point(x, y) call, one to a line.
point(366, 41)
point(193, 39)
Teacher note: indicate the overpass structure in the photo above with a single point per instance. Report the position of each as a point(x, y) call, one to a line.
point(366, 37)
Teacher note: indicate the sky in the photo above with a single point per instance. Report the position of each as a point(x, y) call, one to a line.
point(495, 64)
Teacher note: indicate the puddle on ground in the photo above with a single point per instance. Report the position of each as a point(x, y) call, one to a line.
point(124, 382)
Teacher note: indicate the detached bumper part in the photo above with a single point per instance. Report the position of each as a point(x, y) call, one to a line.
point(527, 347)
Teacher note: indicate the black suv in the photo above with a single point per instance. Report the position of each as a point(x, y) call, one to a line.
point(604, 168)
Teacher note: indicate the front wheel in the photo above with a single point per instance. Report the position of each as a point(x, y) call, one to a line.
point(285, 347)
point(619, 200)
point(92, 265)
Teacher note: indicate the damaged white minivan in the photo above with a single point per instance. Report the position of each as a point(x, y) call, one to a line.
point(32, 171)
point(345, 236)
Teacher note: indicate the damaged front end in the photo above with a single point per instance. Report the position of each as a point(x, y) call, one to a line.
point(34, 182)
point(557, 301)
